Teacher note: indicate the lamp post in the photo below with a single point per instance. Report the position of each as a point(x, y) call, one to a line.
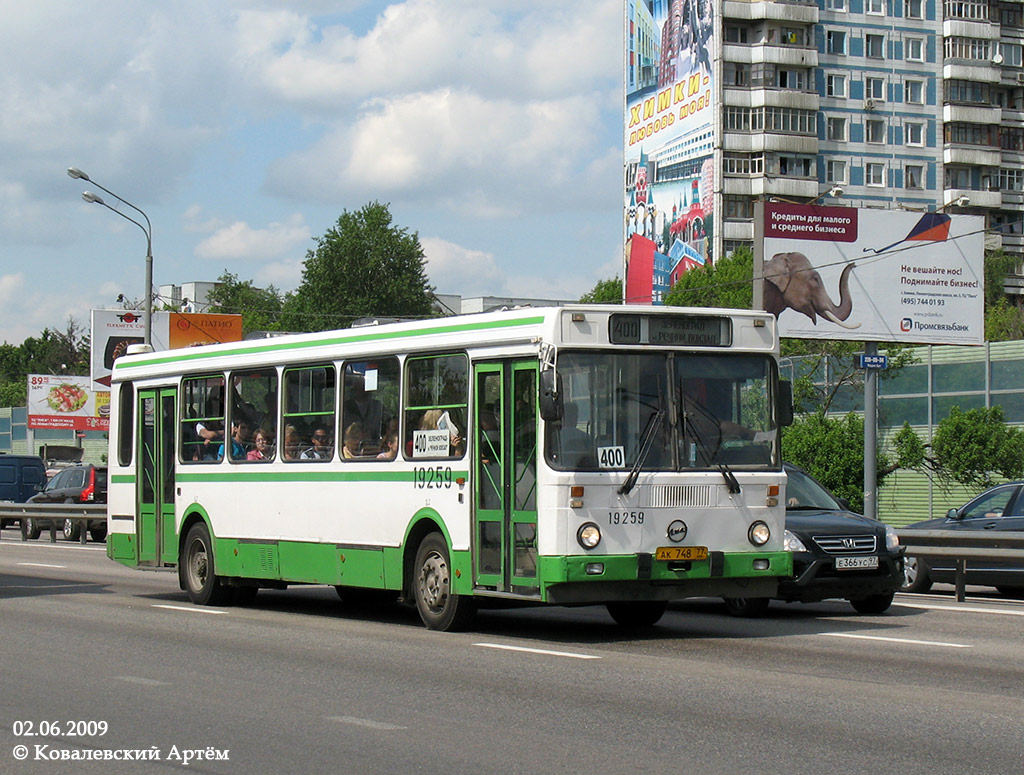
point(88, 196)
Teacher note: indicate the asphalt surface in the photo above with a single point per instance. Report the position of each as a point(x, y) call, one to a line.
point(298, 683)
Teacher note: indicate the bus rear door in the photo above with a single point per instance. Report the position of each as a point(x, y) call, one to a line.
point(156, 476)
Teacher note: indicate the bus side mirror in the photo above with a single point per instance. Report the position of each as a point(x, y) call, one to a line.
point(785, 408)
point(550, 396)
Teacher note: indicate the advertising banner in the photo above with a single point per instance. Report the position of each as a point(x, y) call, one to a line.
point(874, 275)
point(66, 402)
point(668, 138)
point(113, 331)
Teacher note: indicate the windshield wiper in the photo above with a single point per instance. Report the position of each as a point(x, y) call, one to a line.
point(687, 403)
point(646, 441)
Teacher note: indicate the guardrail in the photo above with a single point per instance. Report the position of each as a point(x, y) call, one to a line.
point(55, 513)
point(963, 546)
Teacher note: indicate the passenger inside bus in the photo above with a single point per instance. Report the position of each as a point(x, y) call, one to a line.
point(355, 435)
point(263, 447)
point(390, 451)
point(322, 448)
point(362, 407)
point(568, 445)
point(239, 441)
point(292, 443)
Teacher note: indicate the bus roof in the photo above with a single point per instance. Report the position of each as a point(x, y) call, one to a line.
point(525, 326)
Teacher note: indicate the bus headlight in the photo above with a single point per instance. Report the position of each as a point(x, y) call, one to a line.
point(759, 533)
point(589, 535)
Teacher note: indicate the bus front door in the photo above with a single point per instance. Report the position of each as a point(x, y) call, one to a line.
point(156, 476)
point(505, 477)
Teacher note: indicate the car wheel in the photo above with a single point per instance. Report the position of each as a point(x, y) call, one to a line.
point(915, 575)
point(31, 529)
point(197, 570)
point(873, 604)
point(637, 614)
point(1010, 591)
point(98, 534)
point(438, 606)
point(747, 607)
point(72, 529)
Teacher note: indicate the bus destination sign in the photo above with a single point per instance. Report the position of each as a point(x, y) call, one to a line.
point(671, 330)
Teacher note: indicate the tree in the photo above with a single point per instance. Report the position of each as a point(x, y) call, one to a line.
point(260, 308)
point(362, 266)
point(605, 292)
point(728, 282)
point(831, 449)
point(1003, 319)
point(970, 448)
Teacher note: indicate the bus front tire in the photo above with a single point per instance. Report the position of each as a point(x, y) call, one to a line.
point(438, 606)
point(197, 571)
point(645, 613)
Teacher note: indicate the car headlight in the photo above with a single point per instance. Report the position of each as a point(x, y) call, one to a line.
point(793, 544)
point(892, 541)
point(759, 533)
point(589, 535)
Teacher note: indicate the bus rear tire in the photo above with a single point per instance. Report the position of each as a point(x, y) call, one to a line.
point(437, 605)
point(197, 571)
point(642, 613)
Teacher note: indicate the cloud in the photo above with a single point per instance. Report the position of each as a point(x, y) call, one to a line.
point(456, 269)
point(239, 240)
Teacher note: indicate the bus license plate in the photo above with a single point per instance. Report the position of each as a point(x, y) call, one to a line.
point(856, 563)
point(681, 553)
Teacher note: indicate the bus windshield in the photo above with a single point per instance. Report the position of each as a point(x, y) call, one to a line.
point(673, 411)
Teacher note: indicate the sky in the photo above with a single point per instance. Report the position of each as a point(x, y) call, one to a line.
point(243, 130)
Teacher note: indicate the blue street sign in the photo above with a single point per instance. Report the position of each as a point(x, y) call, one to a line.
point(873, 361)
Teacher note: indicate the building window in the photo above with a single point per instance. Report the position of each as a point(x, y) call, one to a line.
point(795, 166)
point(874, 130)
point(874, 174)
point(835, 171)
point(875, 7)
point(967, 92)
point(958, 177)
point(835, 85)
point(913, 9)
point(915, 49)
point(1013, 53)
point(967, 48)
point(914, 131)
point(835, 128)
point(874, 88)
point(836, 5)
point(742, 164)
point(1011, 138)
point(738, 208)
point(737, 74)
point(835, 42)
point(913, 92)
point(735, 34)
point(874, 46)
point(795, 80)
point(1011, 180)
point(969, 134)
point(972, 10)
point(914, 175)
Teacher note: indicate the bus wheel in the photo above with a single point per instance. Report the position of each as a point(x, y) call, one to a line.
point(197, 571)
point(438, 606)
point(637, 614)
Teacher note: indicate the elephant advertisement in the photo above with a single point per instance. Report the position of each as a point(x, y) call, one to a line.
point(872, 275)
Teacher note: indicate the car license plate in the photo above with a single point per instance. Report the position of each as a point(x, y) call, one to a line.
point(681, 553)
point(856, 563)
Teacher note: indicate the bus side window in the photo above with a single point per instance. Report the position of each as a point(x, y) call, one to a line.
point(308, 412)
point(202, 418)
point(369, 408)
point(436, 393)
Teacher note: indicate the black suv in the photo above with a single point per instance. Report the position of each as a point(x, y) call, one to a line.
point(836, 553)
point(77, 484)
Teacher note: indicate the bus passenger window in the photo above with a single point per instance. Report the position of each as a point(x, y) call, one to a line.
point(435, 408)
point(309, 414)
point(202, 418)
point(253, 410)
point(369, 407)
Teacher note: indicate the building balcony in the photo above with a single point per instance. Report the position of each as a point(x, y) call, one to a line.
point(771, 185)
point(972, 155)
point(972, 70)
point(753, 142)
point(961, 28)
point(738, 230)
point(794, 56)
point(756, 97)
point(977, 198)
point(801, 11)
point(972, 114)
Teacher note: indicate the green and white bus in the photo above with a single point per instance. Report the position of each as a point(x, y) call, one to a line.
point(624, 456)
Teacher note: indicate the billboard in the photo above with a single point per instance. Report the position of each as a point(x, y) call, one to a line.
point(873, 275)
point(67, 402)
point(113, 331)
point(669, 165)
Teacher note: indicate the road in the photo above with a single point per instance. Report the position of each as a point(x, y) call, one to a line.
point(297, 683)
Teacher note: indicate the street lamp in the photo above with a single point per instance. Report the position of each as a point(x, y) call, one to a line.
point(88, 196)
point(961, 201)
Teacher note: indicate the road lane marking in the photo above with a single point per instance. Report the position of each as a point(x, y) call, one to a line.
point(536, 651)
point(963, 609)
point(134, 679)
point(190, 610)
point(908, 641)
point(41, 565)
point(365, 722)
